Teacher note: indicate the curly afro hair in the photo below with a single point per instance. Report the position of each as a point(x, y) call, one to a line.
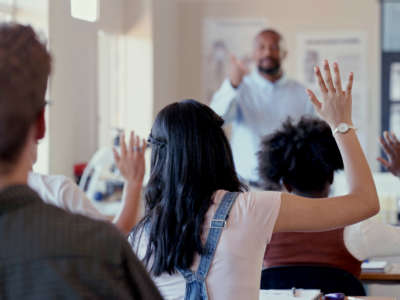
point(304, 155)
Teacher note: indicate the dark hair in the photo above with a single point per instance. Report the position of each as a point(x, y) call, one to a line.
point(270, 31)
point(304, 155)
point(191, 159)
point(24, 69)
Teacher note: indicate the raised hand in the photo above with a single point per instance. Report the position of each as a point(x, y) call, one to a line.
point(337, 103)
point(130, 161)
point(391, 146)
point(237, 71)
point(131, 164)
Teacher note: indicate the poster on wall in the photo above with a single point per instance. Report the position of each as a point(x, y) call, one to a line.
point(221, 38)
point(350, 51)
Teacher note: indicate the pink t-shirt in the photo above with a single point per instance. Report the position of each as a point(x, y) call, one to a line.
point(236, 268)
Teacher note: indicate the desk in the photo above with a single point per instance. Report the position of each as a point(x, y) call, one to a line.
point(390, 277)
point(376, 298)
point(380, 277)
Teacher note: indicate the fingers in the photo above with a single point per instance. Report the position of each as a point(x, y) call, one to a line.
point(386, 147)
point(384, 162)
point(234, 60)
point(350, 84)
point(321, 81)
point(131, 142)
point(391, 139)
point(394, 137)
point(144, 145)
point(136, 146)
point(338, 80)
point(314, 99)
point(392, 144)
point(328, 77)
point(122, 144)
point(117, 158)
point(243, 67)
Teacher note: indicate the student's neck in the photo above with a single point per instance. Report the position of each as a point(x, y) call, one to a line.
point(272, 78)
point(19, 173)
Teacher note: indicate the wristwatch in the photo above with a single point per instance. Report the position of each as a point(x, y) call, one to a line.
point(343, 128)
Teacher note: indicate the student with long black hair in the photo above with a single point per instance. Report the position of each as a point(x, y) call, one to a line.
point(203, 235)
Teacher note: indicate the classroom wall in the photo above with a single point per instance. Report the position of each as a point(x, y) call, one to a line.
point(162, 44)
point(82, 88)
point(73, 89)
point(287, 16)
point(167, 41)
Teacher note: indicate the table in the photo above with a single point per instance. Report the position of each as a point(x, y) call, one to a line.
point(390, 277)
point(376, 298)
point(380, 277)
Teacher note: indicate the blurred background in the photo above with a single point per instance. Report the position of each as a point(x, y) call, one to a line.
point(118, 62)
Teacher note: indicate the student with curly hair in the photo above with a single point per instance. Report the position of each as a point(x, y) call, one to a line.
point(203, 235)
point(301, 159)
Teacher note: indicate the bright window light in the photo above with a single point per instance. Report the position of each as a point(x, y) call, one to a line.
point(6, 2)
point(87, 10)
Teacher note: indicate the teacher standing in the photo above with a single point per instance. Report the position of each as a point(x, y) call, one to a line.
point(258, 102)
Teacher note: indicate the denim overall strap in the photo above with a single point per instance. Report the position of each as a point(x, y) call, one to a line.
point(195, 282)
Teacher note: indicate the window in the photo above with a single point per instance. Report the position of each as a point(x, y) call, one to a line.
point(87, 10)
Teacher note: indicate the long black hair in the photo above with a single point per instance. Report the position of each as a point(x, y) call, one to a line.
point(191, 159)
point(304, 155)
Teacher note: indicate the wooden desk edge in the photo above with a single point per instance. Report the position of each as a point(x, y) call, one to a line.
point(379, 277)
point(375, 298)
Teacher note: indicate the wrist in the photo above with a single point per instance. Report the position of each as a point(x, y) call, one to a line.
point(335, 124)
point(134, 184)
point(343, 128)
point(234, 84)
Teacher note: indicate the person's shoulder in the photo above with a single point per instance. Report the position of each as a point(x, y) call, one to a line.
point(35, 177)
point(65, 220)
point(75, 234)
point(50, 187)
point(258, 193)
point(252, 198)
point(39, 181)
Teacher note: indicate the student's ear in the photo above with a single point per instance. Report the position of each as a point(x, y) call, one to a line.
point(40, 125)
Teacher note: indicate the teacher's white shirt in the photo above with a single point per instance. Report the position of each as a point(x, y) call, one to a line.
point(257, 108)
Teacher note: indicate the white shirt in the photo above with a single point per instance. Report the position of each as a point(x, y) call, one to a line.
point(62, 192)
point(257, 108)
point(372, 238)
point(235, 272)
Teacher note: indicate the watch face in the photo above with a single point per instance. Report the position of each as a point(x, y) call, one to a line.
point(343, 127)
